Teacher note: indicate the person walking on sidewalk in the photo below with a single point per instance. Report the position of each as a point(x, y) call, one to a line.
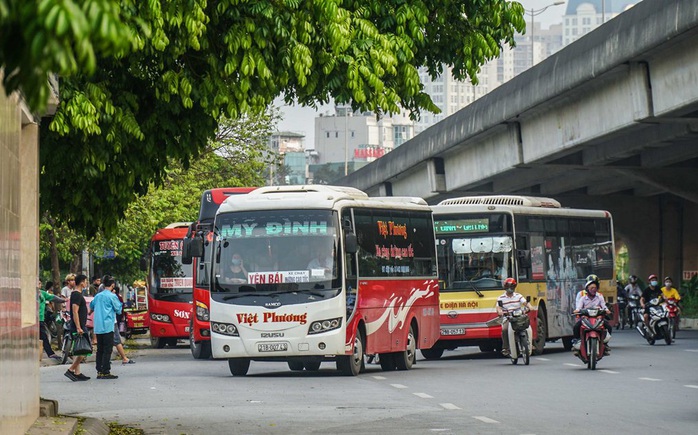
point(45, 297)
point(105, 306)
point(78, 311)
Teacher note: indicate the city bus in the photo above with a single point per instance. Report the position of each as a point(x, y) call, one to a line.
point(549, 250)
point(169, 286)
point(199, 332)
point(329, 275)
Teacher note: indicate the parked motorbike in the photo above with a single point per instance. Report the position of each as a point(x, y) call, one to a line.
point(674, 311)
point(658, 323)
point(50, 322)
point(622, 312)
point(592, 333)
point(67, 344)
point(634, 310)
point(519, 330)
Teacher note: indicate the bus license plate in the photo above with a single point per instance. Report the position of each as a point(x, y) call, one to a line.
point(453, 331)
point(272, 347)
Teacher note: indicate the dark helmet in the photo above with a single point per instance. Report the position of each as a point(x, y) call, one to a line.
point(593, 278)
point(633, 278)
point(510, 283)
point(590, 282)
point(668, 278)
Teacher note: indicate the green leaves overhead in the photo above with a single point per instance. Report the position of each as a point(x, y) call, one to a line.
point(169, 69)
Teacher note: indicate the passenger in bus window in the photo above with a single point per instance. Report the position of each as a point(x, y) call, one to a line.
point(321, 260)
point(265, 260)
point(237, 274)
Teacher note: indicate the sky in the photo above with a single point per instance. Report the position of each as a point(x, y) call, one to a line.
point(302, 119)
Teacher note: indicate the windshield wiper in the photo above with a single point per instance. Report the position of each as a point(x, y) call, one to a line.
point(238, 295)
point(472, 286)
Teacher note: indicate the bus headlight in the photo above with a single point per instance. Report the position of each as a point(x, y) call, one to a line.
point(202, 312)
point(225, 329)
point(160, 317)
point(324, 325)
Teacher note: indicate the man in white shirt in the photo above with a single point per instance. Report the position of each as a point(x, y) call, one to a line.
point(510, 301)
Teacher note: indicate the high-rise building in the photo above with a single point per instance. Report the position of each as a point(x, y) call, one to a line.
point(583, 16)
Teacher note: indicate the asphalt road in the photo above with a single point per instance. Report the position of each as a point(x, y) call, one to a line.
point(639, 389)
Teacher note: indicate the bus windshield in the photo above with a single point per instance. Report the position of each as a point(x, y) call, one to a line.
point(169, 278)
point(475, 253)
point(276, 251)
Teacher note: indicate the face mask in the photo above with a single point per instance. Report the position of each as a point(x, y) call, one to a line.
point(510, 291)
point(668, 284)
point(236, 262)
point(653, 283)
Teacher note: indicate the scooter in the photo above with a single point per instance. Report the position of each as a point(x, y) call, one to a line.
point(658, 323)
point(634, 310)
point(593, 336)
point(520, 333)
point(622, 312)
point(674, 311)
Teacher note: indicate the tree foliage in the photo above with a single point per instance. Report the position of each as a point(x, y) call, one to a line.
point(116, 130)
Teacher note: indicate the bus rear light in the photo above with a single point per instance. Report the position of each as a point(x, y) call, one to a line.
point(160, 317)
point(325, 325)
point(225, 329)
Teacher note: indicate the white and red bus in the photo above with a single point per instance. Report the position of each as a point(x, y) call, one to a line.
point(549, 250)
point(329, 275)
point(169, 286)
point(199, 331)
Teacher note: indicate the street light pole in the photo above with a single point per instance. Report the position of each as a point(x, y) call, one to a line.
point(533, 13)
point(346, 143)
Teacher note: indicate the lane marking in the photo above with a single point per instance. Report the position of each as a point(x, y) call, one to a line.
point(423, 395)
point(484, 419)
point(449, 406)
point(691, 350)
point(608, 371)
point(691, 386)
point(380, 378)
point(573, 365)
point(439, 430)
point(542, 359)
point(650, 379)
point(398, 385)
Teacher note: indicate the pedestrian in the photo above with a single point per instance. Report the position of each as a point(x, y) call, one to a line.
point(68, 286)
point(118, 328)
point(78, 312)
point(105, 306)
point(94, 287)
point(45, 297)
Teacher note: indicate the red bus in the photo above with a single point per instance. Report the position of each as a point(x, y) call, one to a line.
point(169, 286)
point(199, 331)
point(306, 274)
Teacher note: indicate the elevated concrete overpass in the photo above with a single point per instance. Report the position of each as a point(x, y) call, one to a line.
point(610, 121)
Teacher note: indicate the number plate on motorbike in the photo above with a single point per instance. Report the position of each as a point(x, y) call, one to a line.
point(272, 347)
point(452, 331)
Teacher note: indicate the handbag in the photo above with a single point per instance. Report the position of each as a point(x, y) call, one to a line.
point(82, 345)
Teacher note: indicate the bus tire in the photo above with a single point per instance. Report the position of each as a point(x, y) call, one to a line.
point(312, 366)
point(239, 366)
point(201, 349)
point(157, 342)
point(352, 365)
point(405, 360)
point(387, 361)
point(295, 365)
point(542, 332)
point(172, 342)
point(567, 343)
point(432, 353)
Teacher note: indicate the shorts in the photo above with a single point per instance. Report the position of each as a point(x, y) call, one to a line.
point(117, 336)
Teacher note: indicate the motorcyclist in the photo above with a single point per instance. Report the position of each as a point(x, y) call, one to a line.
point(506, 302)
point(581, 294)
point(622, 298)
point(633, 288)
point(591, 299)
point(651, 292)
point(668, 292)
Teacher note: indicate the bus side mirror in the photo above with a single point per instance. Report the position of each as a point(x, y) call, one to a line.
point(143, 264)
point(350, 243)
point(186, 251)
point(193, 247)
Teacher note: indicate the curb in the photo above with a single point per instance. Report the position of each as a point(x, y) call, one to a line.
point(688, 323)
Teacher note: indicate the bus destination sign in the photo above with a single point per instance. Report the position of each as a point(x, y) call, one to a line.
point(462, 226)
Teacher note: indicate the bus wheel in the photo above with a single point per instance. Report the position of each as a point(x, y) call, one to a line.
point(295, 365)
point(239, 366)
point(542, 333)
point(157, 342)
point(200, 350)
point(172, 342)
point(387, 362)
point(312, 366)
point(351, 365)
point(433, 353)
point(567, 343)
point(404, 360)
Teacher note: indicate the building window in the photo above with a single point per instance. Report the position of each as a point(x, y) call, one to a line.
point(352, 133)
point(336, 134)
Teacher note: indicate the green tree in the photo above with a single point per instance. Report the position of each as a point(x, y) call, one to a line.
point(193, 60)
point(326, 175)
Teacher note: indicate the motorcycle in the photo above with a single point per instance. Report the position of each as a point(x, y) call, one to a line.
point(519, 330)
point(634, 310)
point(674, 311)
point(622, 312)
point(658, 323)
point(50, 321)
point(593, 333)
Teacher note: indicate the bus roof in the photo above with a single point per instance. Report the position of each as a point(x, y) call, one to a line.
point(171, 232)
point(317, 196)
point(529, 205)
point(211, 199)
